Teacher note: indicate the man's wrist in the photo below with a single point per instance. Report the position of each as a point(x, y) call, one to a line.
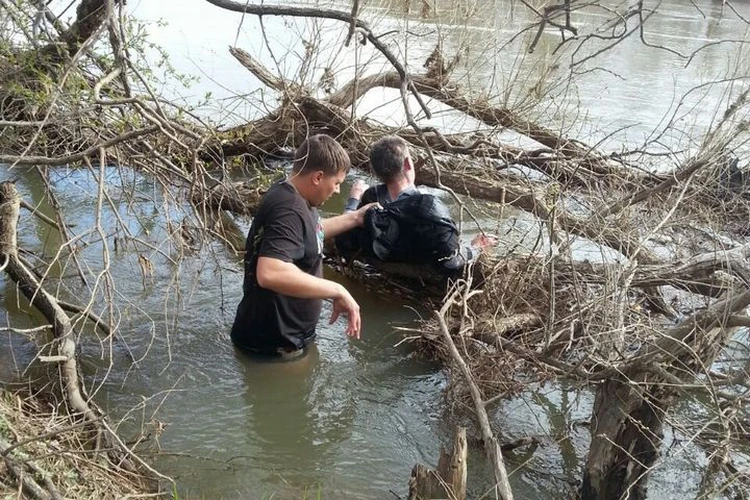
point(351, 204)
point(338, 291)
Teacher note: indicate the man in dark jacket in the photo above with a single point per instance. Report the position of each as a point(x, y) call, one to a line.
point(283, 287)
point(392, 164)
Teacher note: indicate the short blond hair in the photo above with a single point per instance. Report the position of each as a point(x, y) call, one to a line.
point(321, 152)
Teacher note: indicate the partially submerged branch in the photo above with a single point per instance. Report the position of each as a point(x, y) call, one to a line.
point(62, 327)
point(491, 445)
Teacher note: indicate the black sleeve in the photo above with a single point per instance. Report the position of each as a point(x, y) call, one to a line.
point(369, 196)
point(351, 205)
point(465, 254)
point(282, 237)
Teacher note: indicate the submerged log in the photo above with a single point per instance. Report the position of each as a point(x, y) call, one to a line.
point(415, 285)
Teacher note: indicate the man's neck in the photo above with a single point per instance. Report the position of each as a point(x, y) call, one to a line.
point(296, 182)
point(396, 187)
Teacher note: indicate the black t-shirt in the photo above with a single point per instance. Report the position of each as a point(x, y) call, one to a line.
point(287, 228)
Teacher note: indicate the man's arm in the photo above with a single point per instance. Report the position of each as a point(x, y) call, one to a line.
point(465, 254)
point(287, 279)
point(333, 226)
point(355, 194)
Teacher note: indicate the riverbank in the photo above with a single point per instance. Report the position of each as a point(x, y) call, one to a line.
point(46, 454)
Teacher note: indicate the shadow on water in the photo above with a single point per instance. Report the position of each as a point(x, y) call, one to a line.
point(293, 436)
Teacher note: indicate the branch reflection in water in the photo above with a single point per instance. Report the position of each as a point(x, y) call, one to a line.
point(294, 421)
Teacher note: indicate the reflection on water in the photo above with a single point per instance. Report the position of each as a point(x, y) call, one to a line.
point(292, 435)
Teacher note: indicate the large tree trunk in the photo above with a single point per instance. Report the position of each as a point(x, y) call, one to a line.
point(90, 15)
point(629, 409)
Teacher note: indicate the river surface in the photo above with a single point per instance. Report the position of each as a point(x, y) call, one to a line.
point(350, 420)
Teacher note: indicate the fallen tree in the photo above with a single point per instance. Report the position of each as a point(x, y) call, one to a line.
point(101, 440)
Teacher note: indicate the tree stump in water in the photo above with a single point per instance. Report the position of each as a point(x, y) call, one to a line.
point(448, 481)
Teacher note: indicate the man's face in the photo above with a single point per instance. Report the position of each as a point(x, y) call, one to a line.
point(328, 185)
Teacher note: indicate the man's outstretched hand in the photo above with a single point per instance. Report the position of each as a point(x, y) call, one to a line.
point(358, 189)
point(483, 241)
point(345, 303)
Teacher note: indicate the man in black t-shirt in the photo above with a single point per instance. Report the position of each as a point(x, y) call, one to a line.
point(283, 286)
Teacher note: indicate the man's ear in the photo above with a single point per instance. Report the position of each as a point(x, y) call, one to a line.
point(408, 164)
point(317, 177)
